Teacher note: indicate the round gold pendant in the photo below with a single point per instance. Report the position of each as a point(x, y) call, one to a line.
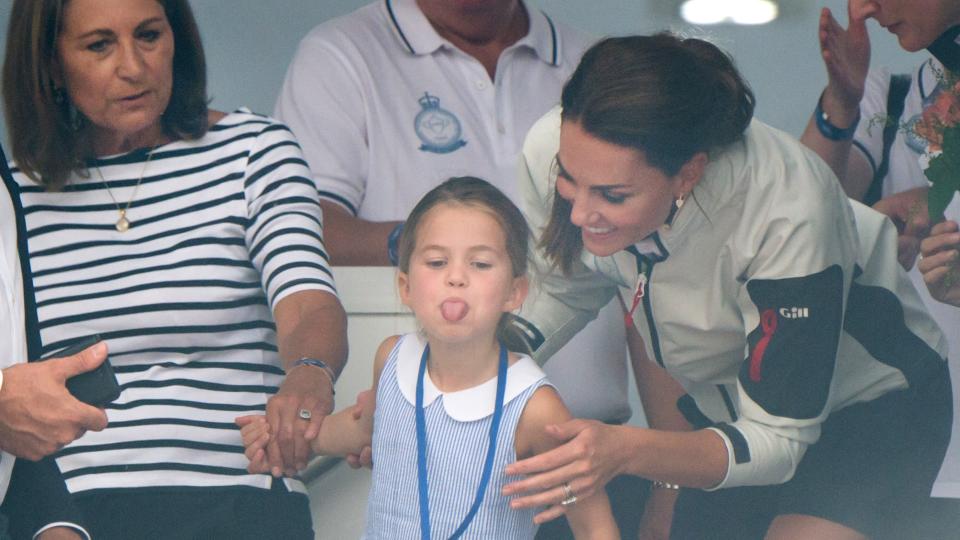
point(123, 224)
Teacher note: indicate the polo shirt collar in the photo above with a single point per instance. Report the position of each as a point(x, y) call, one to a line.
point(418, 36)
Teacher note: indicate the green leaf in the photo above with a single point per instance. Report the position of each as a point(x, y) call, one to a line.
point(944, 173)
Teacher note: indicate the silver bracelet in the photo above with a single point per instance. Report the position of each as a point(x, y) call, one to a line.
point(307, 361)
point(658, 484)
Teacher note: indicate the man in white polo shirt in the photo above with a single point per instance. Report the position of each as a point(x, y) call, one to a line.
point(37, 414)
point(396, 97)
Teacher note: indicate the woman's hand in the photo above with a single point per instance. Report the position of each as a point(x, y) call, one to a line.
point(846, 55)
point(591, 455)
point(306, 388)
point(940, 262)
point(908, 211)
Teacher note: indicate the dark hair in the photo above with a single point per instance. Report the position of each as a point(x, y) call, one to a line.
point(44, 140)
point(665, 96)
point(474, 192)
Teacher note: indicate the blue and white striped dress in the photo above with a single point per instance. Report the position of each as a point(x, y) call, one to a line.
point(458, 427)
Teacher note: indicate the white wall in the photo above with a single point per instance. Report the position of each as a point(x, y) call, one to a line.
point(250, 42)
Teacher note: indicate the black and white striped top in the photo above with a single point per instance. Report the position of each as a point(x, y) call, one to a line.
point(222, 229)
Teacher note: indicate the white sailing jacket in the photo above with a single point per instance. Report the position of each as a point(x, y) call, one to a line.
point(771, 298)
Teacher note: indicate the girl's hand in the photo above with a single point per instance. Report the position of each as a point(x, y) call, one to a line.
point(846, 55)
point(366, 403)
point(256, 435)
point(591, 455)
point(940, 262)
point(657, 516)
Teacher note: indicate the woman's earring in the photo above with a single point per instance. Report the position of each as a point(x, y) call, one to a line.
point(679, 202)
point(59, 96)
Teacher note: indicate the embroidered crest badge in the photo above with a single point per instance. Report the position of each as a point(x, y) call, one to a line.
point(437, 128)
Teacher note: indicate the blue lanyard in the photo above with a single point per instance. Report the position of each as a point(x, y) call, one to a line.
point(422, 447)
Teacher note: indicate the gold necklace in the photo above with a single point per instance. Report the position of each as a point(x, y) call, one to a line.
point(123, 224)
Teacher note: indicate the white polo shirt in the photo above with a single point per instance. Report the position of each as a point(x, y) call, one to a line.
point(905, 173)
point(13, 343)
point(386, 109)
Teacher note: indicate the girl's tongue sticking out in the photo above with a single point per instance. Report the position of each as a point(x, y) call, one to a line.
point(454, 310)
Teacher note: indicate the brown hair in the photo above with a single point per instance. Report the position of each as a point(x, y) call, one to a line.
point(44, 140)
point(470, 191)
point(476, 193)
point(665, 96)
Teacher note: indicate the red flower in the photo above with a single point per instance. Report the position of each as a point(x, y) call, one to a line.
point(942, 114)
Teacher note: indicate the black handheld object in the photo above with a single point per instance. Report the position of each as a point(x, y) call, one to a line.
point(98, 387)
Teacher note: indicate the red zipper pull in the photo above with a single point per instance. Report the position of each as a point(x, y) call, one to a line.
point(637, 297)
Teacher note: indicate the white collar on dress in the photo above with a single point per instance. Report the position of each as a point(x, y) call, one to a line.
point(466, 405)
point(419, 37)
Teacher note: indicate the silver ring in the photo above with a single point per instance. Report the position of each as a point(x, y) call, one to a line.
point(305, 414)
point(568, 496)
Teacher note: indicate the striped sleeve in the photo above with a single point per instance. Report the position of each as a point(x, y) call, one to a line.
point(284, 232)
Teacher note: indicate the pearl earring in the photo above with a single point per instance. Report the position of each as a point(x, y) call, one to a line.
point(679, 202)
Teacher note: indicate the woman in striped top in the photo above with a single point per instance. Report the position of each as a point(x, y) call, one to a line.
point(453, 407)
point(190, 240)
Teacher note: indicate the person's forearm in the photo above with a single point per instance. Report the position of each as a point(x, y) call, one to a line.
point(342, 434)
point(352, 241)
point(312, 324)
point(591, 519)
point(658, 391)
point(695, 459)
point(850, 168)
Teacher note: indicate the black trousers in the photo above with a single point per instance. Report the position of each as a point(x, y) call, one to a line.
point(198, 514)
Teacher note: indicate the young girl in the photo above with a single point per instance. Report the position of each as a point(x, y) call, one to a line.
point(453, 406)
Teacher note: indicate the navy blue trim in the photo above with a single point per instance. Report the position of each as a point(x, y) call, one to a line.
point(202, 364)
point(664, 253)
point(152, 286)
point(923, 91)
point(173, 330)
point(692, 413)
point(151, 443)
point(396, 24)
point(874, 317)
point(230, 263)
point(731, 410)
point(333, 197)
point(866, 154)
point(31, 326)
point(530, 333)
point(203, 385)
point(644, 261)
point(186, 403)
point(137, 467)
point(553, 40)
point(255, 300)
point(741, 450)
point(173, 422)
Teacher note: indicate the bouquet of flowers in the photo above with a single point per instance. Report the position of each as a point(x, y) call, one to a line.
point(940, 128)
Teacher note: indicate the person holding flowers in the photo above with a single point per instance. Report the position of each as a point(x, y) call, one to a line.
point(910, 160)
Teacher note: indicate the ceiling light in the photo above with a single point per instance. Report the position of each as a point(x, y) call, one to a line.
point(729, 11)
